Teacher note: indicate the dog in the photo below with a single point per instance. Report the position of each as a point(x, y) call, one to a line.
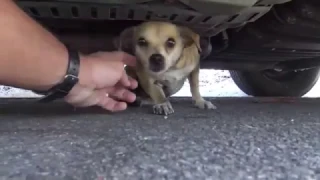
point(167, 55)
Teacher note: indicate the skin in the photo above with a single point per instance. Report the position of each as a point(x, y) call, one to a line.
point(32, 58)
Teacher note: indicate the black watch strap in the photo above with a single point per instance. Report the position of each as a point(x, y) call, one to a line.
point(70, 79)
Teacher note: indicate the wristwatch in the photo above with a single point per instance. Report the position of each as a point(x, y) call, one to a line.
point(70, 79)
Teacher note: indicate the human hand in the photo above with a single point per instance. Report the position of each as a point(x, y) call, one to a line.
point(104, 82)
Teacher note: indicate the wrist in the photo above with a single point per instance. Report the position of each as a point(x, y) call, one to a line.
point(85, 77)
point(85, 72)
point(69, 79)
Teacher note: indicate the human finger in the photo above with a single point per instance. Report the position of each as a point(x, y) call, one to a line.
point(121, 94)
point(124, 80)
point(112, 104)
point(85, 97)
point(128, 82)
point(133, 83)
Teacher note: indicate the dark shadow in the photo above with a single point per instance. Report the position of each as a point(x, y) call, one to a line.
point(30, 107)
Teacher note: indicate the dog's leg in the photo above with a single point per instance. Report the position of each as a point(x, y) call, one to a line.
point(162, 104)
point(155, 93)
point(194, 88)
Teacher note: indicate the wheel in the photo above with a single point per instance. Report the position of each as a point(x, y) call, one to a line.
point(274, 83)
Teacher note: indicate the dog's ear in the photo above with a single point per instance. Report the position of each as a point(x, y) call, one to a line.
point(125, 40)
point(189, 37)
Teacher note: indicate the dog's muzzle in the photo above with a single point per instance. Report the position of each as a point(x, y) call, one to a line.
point(156, 62)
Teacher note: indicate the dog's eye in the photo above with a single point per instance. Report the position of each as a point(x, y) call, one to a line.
point(170, 43)
point(142, 42)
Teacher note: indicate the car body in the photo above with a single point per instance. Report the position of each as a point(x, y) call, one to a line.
point(271, 47)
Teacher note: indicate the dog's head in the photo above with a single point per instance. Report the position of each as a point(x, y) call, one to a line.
point(157, 45)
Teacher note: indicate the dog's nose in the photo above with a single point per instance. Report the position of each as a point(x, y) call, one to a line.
point(156, 62)
point(156, 58)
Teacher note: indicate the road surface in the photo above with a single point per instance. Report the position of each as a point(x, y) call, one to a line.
point(245, 138)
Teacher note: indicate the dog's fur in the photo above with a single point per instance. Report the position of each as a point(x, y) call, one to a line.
point(167, 55)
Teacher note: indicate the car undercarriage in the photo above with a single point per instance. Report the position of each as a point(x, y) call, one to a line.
point(271, 47)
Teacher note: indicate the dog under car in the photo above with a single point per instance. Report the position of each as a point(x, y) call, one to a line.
point(270, 47)
point(167, 55)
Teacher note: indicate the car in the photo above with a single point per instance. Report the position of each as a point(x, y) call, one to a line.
point(270, 47)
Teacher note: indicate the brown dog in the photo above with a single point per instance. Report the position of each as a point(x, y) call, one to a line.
point(167, 55)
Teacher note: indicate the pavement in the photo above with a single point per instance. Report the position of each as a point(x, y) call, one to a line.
point(245, 138)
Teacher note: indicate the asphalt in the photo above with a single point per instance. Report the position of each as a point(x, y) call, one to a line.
point(245, 138)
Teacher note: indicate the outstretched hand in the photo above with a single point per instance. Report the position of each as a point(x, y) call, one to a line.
point(104, 82)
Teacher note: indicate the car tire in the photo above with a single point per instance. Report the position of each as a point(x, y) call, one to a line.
point(277, 84)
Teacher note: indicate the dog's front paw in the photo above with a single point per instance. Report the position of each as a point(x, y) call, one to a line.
point(163, 108)
point(203, 104)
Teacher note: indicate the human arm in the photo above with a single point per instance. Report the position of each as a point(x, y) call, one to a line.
point(32, 58)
